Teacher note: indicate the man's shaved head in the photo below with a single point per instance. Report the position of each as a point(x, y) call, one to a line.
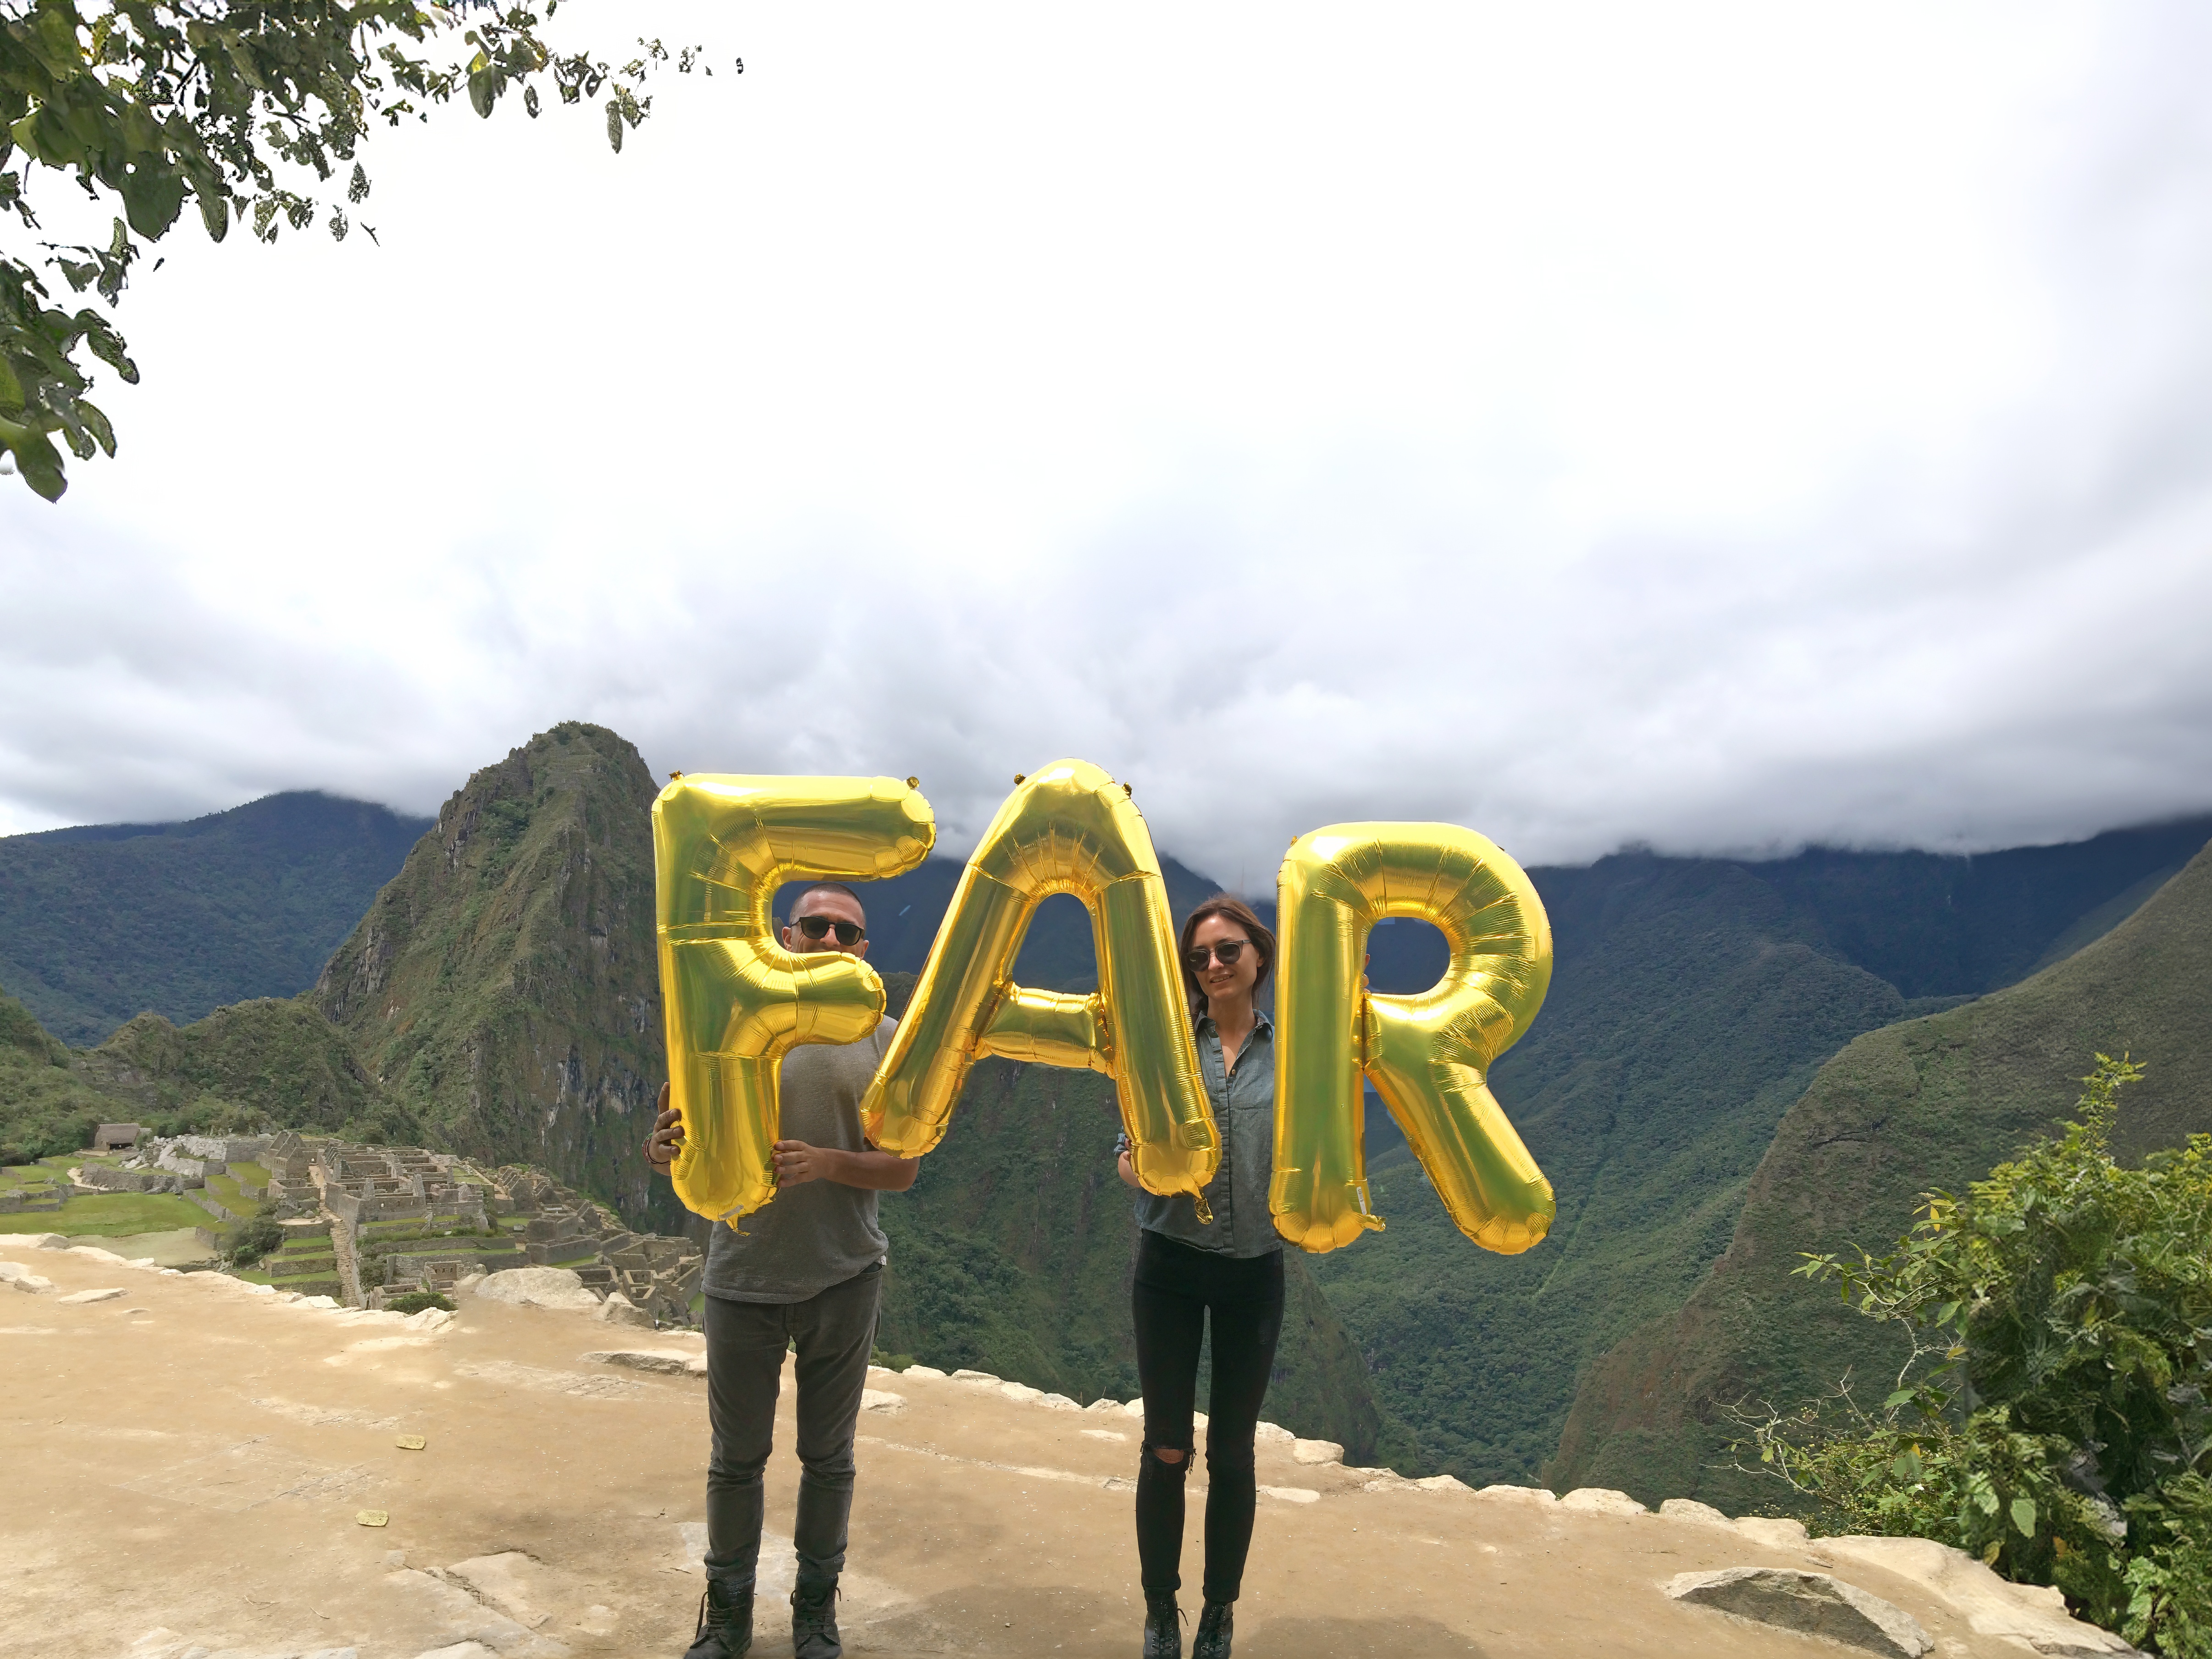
point(800, 907)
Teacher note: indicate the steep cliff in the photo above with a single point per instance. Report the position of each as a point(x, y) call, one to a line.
point(503, 987)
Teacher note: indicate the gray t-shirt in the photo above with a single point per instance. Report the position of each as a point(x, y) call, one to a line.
point(818, 1233)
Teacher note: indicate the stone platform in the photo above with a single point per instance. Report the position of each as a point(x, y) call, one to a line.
point(189, 1463)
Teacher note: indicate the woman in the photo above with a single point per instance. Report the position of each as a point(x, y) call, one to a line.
point(1231, 1265)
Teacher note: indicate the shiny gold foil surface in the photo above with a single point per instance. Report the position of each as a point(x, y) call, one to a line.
point(1067, 828)
point(735, 1001)
point(1428, 1054)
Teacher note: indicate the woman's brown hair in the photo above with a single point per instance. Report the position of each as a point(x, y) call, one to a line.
point(1229, 909)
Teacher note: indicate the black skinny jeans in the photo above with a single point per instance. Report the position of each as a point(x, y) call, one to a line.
point(1176, 1285)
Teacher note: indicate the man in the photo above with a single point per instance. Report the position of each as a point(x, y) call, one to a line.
point(807, 1270)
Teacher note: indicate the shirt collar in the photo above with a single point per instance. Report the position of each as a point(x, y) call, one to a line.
point(1261, 1025)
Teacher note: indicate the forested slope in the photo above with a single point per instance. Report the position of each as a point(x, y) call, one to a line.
point(1927, 1103)
point(1692, 1001)
point(101, 923)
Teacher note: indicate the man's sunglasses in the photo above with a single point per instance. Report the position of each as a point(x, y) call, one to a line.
point(1227, 950)
point(849, 933)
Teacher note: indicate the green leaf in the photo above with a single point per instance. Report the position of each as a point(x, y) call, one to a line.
point(2023, 1516)
point(152, 197)
point(1901, 1397)
point(37, 460)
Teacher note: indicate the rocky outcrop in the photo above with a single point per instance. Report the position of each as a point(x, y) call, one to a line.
point(1809, 1603)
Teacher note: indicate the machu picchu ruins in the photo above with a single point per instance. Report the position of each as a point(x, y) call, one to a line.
point(367, 1224)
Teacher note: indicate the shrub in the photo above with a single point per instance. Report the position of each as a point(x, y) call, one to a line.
point(415, 1300)
point(2053, 1418)
point(253, 1240)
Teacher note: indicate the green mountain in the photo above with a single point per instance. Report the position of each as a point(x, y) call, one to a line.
point(44, 1106)
point(1923, 1104)
point(1012, 1254)
point(1692, 1001)
point(502, 988)
point(502, 992)
point(499, 998)
point(100, 923)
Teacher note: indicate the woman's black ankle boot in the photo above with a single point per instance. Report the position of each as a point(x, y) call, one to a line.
point(1216, 1625)
point(1163, 1627)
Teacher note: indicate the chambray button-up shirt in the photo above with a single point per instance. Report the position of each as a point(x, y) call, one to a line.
point(1244, 1112)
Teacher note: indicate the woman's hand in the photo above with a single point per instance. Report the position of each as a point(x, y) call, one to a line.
point(666, 1140)
point(1128, 1171)
point(797, 1163)
point(872, 1170)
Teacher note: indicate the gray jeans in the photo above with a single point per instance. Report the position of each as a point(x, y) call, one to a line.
point(835, 1332)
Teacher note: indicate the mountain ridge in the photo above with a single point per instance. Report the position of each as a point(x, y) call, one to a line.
point(102, 922)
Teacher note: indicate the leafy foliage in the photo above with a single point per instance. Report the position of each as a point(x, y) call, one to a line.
point(413, 1302)
point(250, 111)
point(253, 1240)
point(2051, 1415)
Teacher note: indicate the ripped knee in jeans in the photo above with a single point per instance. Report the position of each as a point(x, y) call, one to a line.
point(1176, 1458)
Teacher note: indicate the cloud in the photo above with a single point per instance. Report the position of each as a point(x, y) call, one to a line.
point(1719, 430)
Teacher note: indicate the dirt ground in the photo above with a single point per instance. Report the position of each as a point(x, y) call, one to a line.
point(185, 1463)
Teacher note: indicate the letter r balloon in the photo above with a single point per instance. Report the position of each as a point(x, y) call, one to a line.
point(735, 1001)
point(1428, 1054)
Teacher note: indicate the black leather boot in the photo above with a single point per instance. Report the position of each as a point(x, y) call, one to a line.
point(814, 1622)
point(1163, 1627)
point(1216, 1625)
point(725, 1623)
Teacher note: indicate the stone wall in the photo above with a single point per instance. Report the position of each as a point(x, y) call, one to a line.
point(109, 1179)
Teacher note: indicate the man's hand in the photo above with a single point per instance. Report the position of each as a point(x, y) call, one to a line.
point(667, 1138)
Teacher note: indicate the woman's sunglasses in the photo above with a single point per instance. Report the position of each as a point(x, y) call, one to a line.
point(849, 933)
point(1227, 950)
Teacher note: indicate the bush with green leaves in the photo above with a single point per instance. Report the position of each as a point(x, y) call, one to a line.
point(2053, 1418)
point(253, 1240)
point(413, 1302)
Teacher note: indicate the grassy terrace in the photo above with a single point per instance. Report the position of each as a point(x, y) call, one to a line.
point(110, 1215)
point(251, 1174)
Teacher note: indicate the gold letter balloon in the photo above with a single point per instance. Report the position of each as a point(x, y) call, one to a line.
point(1428, 1054)
point(1068, 829)
point(736, 1001)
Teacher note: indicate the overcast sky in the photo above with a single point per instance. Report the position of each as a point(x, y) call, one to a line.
point(1722, 427)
